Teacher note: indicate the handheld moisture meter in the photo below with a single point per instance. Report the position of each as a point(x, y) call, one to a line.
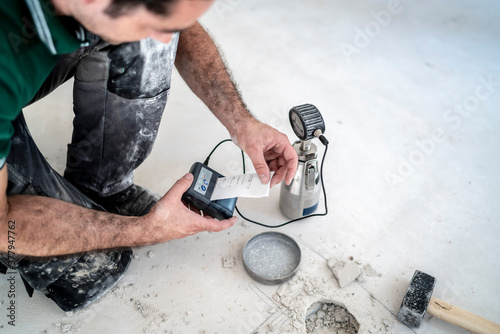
point(200, 192)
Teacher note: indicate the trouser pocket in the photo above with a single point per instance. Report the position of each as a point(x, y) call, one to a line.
point(110, 144)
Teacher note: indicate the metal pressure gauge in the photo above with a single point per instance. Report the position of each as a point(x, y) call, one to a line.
point(301, 197)
point(306, 120)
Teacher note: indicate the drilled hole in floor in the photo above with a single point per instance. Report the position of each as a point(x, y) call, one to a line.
point(327, 317)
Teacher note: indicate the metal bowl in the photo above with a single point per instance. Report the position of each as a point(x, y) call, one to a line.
point(271, 257)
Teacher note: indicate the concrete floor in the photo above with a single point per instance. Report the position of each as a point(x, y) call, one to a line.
point(410, 93)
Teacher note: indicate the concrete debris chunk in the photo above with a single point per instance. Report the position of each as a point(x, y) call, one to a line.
point(361, 277)
point(228, 262)
point(66, 328)
point(331, 318)
point(370, 272)
point(297, 324)
point(388, 325)
point(281, 290)
point(346, 272)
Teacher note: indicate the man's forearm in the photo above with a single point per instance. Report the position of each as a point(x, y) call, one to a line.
point(47, 227)
point(202, 68)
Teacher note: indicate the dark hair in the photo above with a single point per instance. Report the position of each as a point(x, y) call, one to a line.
point(119, 7)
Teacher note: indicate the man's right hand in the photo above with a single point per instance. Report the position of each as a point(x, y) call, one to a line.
point(48, 227)
point(173, 220)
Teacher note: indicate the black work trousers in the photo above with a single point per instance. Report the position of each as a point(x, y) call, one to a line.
point(119, 94)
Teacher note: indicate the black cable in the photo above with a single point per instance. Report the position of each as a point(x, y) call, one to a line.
point(325, 142)
point(308, 216)
point(208, 158)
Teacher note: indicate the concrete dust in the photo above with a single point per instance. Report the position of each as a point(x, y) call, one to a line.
point(311, 302)
point(331, 318)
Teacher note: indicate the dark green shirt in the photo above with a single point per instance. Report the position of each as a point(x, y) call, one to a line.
point(32, 38)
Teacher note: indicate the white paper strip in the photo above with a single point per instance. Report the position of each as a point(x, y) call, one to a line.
point(246, 185)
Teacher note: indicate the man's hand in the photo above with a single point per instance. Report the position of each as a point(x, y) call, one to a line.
point(48, 227)
point(201, 66)
point(269, 150)
point(173, 220)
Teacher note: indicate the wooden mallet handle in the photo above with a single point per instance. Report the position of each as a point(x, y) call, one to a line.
point(458, 317)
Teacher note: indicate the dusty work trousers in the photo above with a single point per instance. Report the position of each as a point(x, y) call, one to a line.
point(119, 95)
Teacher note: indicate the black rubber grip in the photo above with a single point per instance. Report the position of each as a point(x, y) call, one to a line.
point(311, 119)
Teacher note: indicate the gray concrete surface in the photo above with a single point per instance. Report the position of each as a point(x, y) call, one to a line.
point(410, 93)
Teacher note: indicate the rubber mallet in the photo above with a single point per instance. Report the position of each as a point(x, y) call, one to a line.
point(418, 299)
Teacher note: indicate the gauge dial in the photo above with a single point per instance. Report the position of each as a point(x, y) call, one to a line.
point(305, 120)
point(298, 125)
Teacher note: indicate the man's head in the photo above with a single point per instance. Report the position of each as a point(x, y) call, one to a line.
point(119, 21)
